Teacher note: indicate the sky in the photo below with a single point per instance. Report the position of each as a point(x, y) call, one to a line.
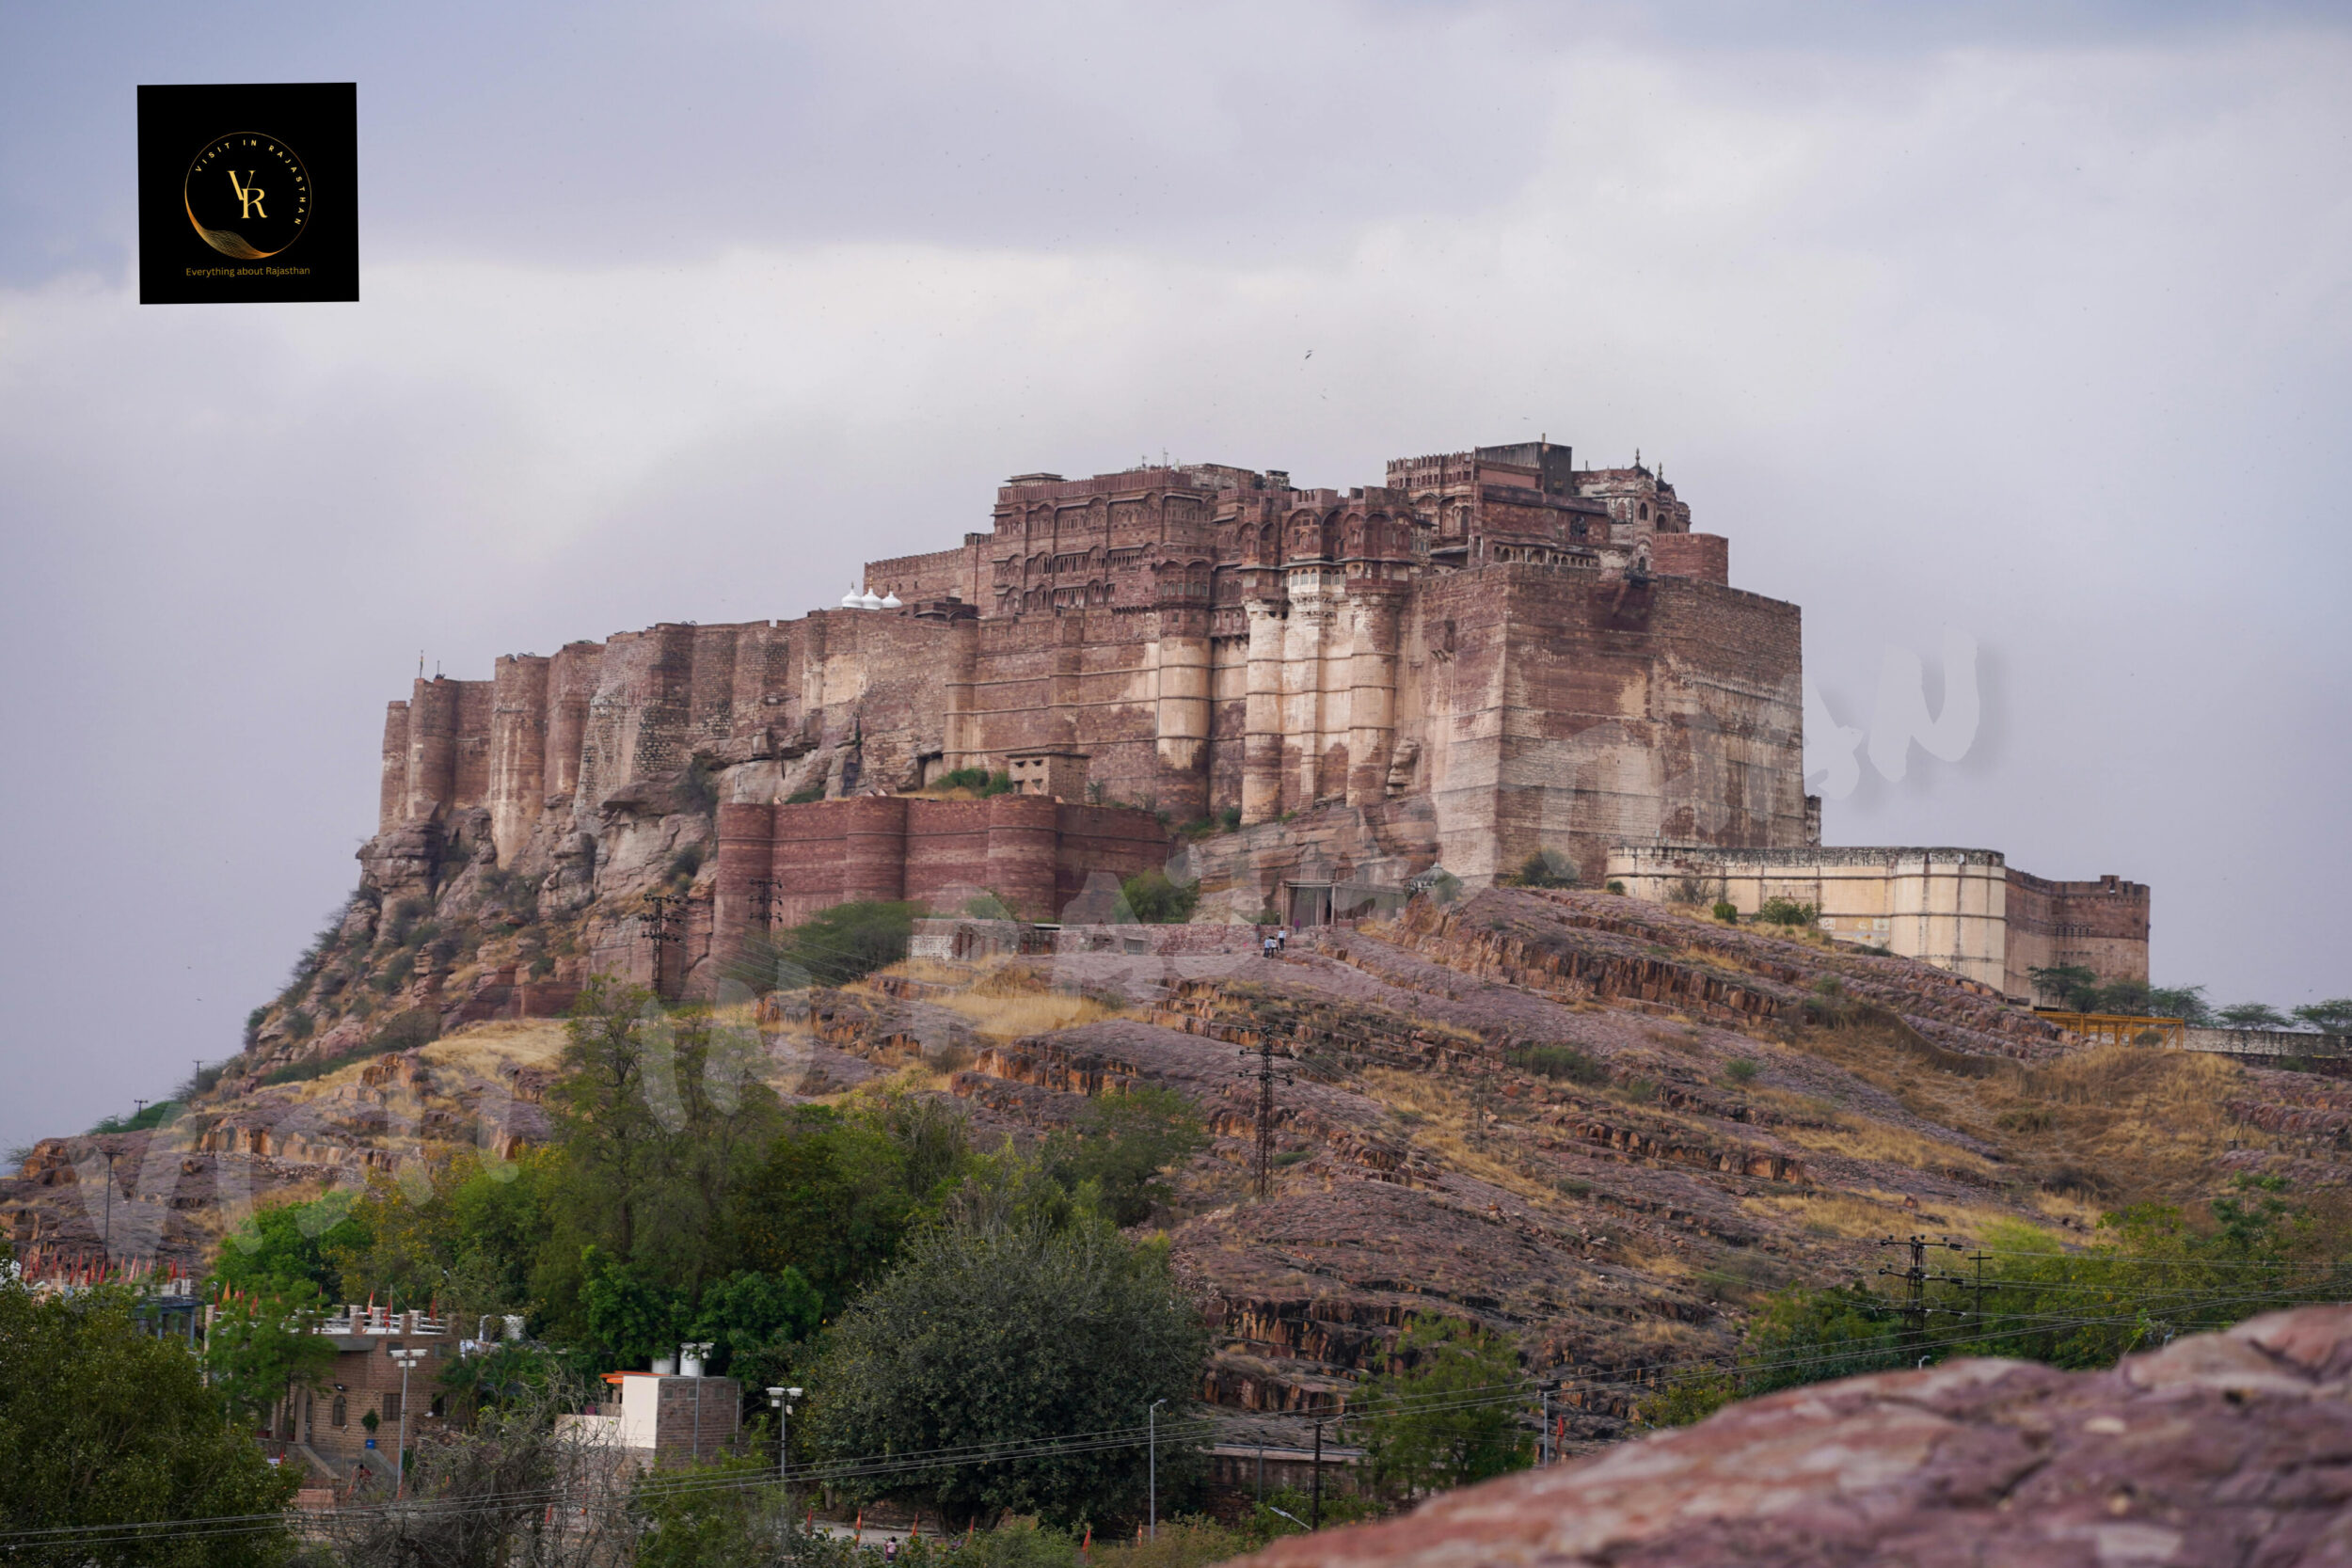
point(2027, 324)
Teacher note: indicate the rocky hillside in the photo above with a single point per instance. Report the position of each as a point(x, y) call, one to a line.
point(1603, 1126)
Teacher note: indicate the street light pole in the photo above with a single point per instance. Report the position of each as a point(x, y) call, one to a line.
point(782, 1399)
point(1152, 1464)
point(406, 1358)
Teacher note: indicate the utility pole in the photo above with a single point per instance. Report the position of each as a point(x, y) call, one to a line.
point(1915, 1278)
point(664, 913)
point(1314, 1512)
point(1152, 1423)
point(406, 1358)
point(1261, 1158)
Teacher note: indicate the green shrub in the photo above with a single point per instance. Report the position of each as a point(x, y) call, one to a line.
point(1158, 901)
point(317, 1067)
point(1741, 1070)
point(808, 797)
point(1616, 887)
point(1562, 1062)
point(1726, 912)
point(1787, 911)
point(407, 1031)
point(1545, 868)
point(697, 788)
point(980, 782)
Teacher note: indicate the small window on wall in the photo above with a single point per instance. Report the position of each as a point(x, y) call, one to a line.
point(389, 1410)
point(339, 1415)
point(438, 1401)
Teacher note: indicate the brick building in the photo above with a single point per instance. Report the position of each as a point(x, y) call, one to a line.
point(331, 1421)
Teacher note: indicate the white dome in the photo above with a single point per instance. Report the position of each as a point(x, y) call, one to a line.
point(869, 601)
point(892, 601)
point(851, 600)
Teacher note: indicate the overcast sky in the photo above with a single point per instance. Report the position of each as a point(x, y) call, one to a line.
point(2024, 321)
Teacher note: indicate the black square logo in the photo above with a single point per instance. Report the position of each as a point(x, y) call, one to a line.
point(249, 193)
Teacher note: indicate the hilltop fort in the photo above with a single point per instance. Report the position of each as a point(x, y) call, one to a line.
point(1494, 655)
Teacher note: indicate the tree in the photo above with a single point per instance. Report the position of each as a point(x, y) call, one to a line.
point(104, 1425)
point(468, 1234)
point(1124, 1144)
point(2185, 1003)
point(829, 1200)
point(1010, 1330)
point(660, 1115)
point(1449, 1417)
point(2331, 1017)
point(2251, 1015)
point(293, 1247)
point(2072, 986)
point(264, 1346)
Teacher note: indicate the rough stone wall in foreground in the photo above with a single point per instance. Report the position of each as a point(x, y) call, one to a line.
point(2220, 1448)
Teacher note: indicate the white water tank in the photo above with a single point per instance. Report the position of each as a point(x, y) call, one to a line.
point(665, 1366)
point(690, 1366)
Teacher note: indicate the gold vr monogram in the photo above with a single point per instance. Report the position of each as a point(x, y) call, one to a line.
point(249, 195)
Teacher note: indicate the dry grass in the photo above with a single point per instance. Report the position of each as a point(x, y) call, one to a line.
point(1860, 1138)
point(1440, 1118)
point(1011, 1017)
point(2113, 1125)
point(485, 1048)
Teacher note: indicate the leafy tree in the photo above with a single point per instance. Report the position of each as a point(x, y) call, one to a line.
point(1158, 901)
point(839, 1191)
point(468, 1235)
point(293, 1247)
point(1124, 1144)
point(630, 1311)
point(708, 1516)
point(659, 1117)
point(2331, 1017)
point(1805, 1335)
point(104, 1425)
point(1440, 1422)
point(2185, 1003)
point(2073, 987)
point(2252, 1015)
point(832, 947)
point(1008, 1329)
point(261, 1348)
point(1783, 911)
